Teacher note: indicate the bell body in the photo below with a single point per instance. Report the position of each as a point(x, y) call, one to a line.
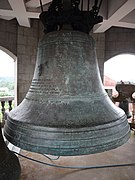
point(66, 110)
point(9, 164)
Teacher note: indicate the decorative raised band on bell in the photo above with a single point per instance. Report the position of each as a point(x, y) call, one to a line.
point(66, 110)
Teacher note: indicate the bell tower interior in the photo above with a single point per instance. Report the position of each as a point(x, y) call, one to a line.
point(63, 112)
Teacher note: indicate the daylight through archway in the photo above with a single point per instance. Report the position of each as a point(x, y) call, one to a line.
point(7, 83)
point(6, 74)
point(121, 70)
point(121, 67)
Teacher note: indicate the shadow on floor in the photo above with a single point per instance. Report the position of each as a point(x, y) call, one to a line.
point(124, 154)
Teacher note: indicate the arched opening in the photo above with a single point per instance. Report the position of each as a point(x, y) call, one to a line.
point(8, 81)
point(121, 67)
point(119, 73)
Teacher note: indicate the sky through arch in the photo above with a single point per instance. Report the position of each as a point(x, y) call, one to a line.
point(121, 67)
point(6, 65)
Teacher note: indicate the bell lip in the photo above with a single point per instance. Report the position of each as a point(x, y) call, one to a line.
point(20, 115)
point(111, 141)
point(121, 118)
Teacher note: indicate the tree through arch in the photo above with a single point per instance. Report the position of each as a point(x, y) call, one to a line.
point(8, 78)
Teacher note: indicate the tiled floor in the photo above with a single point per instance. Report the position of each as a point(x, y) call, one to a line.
point(124, 154)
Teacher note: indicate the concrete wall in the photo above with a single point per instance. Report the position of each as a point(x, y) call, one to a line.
point(8, 35)
point(22, 42)
point(119, 41)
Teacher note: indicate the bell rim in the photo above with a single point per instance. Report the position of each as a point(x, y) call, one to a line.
point(73, 146)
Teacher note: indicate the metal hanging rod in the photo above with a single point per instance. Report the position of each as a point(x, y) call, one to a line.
point(41, 5)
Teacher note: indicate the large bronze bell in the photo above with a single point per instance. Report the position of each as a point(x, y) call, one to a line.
point(9, 164)
point(66, 110)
